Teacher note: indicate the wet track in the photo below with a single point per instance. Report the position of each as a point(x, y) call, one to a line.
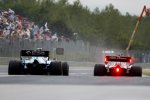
point(79, 85)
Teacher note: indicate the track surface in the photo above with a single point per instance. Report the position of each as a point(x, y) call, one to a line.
point(79, 85)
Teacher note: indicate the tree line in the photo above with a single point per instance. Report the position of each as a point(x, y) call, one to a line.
point(107, 28)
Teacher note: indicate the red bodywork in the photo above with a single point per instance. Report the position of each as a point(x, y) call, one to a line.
point(118, 59)
point(118, 69)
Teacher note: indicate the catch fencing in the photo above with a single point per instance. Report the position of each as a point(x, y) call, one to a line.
point(73, 50)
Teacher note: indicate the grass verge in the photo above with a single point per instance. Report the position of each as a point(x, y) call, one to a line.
point(146, 73)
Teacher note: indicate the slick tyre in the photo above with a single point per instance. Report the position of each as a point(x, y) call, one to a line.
point(15, 68)
point(136, 71)
point(65, 68)
point(55, 68)
point(99, 70)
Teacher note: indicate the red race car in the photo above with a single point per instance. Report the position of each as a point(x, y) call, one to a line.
point(117, 66)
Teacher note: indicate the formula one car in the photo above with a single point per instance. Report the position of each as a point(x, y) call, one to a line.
point(37, 62)
point(117, 66)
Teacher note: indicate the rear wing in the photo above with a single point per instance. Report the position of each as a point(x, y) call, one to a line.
point(34, 53)
point(118, 59)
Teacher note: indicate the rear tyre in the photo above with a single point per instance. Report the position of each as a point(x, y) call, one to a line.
point(136, 71)
point(99, 70)
point(65, 68)
point(15, 68)
point(55, 68)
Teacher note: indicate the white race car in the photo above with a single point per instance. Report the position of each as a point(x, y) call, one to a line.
point(117, 66)
point(37, 63)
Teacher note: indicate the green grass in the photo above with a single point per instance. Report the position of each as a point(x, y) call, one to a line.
point(147, 74)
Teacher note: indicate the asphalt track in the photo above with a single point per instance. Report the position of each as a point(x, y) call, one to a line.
point(79, 85)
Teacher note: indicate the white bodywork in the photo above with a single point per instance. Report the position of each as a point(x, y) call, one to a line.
point(41, 60)
point(122, 64)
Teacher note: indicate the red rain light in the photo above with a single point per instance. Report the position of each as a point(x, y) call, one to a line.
point(117, 70)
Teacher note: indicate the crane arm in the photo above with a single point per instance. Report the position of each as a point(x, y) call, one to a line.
point(136, 27)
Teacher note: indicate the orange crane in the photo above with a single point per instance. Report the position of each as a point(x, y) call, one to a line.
point(147, 13)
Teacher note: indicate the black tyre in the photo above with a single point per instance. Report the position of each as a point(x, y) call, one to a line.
point(99, 70)
point(136, 71)
point(15, 68)
point(65, 68)
point(55, 68)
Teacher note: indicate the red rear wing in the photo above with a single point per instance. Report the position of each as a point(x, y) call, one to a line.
point(118, 59)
